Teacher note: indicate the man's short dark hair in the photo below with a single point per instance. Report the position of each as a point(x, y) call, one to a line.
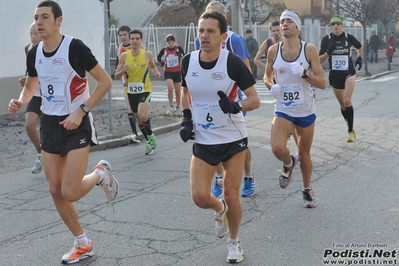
point(55, 7)
point(135, 31)
point(219, 17)
point(124, 28)
point(275, 23)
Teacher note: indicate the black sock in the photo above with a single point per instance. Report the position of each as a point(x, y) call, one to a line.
point(349, 115)
point(343, 114)
point(132, 121)
point(143, 130)
point(147, 126)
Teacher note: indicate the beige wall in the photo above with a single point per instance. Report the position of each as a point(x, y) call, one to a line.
point(303, 7)
point(17, 15)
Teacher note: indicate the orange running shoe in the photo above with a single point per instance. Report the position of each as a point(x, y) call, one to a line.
point(78, 252)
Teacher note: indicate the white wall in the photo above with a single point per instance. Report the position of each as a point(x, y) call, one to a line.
point(82, 19)
point(131, 12)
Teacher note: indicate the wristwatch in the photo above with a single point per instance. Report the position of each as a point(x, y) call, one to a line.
point(240, 104)
point(306, 73)
point(85, 108)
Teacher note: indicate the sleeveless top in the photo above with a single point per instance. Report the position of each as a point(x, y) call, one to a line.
point(172, 59)
point(296, 98)
point(211, 125)
point(63, 90)
point(121, 50)
point(137, 77)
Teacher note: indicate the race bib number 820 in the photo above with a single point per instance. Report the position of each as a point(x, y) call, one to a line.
point(134, 88)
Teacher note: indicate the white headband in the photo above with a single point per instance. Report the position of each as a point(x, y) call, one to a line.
point(292, 16)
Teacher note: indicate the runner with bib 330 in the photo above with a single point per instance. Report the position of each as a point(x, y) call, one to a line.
point(336, 46)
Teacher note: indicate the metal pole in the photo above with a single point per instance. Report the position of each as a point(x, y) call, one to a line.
point(107, 61)
point(250, 14)
point(234, 16)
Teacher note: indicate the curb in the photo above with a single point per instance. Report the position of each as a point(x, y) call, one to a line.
point(124, 141)
point(378, 75)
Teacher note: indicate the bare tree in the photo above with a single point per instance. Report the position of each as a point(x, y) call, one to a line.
point(199, 6)
point(389, 13)
point(159, 2)
point(273, 9)
point(365, 12)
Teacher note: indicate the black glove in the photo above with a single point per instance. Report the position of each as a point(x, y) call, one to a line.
point(186, 130)
point(162, 64)
point(331, 48)
point(359, 61)
point(227, 105)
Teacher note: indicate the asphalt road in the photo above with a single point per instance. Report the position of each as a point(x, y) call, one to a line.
point(153, 221)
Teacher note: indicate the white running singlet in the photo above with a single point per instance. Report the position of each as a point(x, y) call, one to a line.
point(296, 98)
point(211, 125)
point(63, 91)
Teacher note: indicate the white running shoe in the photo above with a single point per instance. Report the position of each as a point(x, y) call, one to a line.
point(221, 224)
point(134, 139)
point(178, 112)
point(109, 184)
point(236, 254)
point(38, 166)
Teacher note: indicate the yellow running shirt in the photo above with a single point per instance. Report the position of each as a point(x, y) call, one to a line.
point(137, 77)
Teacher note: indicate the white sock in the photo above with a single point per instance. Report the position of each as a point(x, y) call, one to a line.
point(101, 173)
point(290, 164)
point(232, 240)
point(82, 239)
point(249, 176)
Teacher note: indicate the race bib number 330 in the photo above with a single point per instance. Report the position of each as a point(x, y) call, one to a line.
point(339, 62)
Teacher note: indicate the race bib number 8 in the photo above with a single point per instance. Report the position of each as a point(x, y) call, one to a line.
point(133, 88)
point(53, 88)
point(339, 62)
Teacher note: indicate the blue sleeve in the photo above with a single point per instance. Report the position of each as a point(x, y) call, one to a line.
point(239, 46)
point(197, 43)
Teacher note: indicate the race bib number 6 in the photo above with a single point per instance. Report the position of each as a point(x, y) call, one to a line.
point(134, 88)
point(208, 116)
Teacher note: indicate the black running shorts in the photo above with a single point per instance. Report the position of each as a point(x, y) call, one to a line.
point(58, 140)
point(175, 76)
point(214, 154)
point(135, 99)
point(337, 79)
point(34, 105)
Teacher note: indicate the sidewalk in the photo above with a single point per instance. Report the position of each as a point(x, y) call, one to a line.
point(162, 124)
point(16, 148)
point(17, 151)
